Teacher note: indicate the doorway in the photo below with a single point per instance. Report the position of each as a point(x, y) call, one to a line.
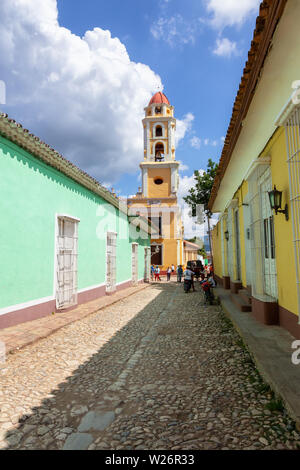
point(147, 264)
point(67, 241)
point(134, 260)
point(111, 245)
point(237, 245)
point(156, 255)
point(268, 242)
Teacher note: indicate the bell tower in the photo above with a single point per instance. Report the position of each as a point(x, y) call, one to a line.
point(157, 199)
point(159, 169)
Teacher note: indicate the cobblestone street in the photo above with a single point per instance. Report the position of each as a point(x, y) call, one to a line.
point(158, 370)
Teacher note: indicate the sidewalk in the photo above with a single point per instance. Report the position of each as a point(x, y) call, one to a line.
point(23, 334)
point(270, 347)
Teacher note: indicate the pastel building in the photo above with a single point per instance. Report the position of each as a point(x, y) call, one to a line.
point(256, 243)
point(64, 238)
point(157, 198)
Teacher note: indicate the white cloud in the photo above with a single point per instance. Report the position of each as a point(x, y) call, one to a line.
point(83, 96)
point(225, 48)
point(185, 183)
point(175, 30)
point(195, 142)
point(183, 126)
point(206, 141)
point(190, 228)
point(182, 167)
point(230, 12)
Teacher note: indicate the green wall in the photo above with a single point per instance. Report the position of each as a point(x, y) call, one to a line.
point(31, 194)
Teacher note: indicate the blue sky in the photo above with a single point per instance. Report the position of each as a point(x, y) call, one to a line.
point(195, 79)
point(80, 88)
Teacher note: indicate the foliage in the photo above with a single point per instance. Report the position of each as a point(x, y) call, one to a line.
point(200, 194)
point(202, 252)
point(275, 405)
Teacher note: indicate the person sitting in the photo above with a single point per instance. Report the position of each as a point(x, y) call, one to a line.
point(207, 285)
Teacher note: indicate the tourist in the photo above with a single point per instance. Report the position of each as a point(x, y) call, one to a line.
point(179, 273)
point(156, 274)
point(152, 271)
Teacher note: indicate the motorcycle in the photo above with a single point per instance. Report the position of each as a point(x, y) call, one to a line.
point(187, 285)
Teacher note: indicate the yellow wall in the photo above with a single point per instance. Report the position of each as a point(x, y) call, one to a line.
point(216, 246)
point(191, 255)
point(169, 252)
point(168, 226)
point(285, 257)
point(225, 248)
point(240, 195)
point(284, 249)
point(159, 190)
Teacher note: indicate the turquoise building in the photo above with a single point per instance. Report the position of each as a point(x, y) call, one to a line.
point(64, 238)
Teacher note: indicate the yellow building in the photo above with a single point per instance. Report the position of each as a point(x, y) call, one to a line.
point(157, 198)
point(256, 248)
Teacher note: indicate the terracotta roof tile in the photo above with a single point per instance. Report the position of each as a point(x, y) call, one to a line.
point(17, 134)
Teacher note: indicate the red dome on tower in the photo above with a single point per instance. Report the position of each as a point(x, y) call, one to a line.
point(159, 98)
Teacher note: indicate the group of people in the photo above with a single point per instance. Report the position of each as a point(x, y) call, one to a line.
point(206, 277)
point(155, 272)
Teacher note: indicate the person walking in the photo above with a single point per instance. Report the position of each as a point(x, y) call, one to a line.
point(179, 273)
point(152, 272)
point(173, 268)
point(156, 274)
point(189, 278)
point(169, 271)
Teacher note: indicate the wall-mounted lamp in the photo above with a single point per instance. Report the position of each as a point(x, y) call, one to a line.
point(275, 197)
point(226, 235)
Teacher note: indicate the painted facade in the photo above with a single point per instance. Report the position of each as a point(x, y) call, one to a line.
point(157, 198)
point(64, 239)
point(256, 251)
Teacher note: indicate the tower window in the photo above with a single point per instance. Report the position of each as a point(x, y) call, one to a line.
point(158, 131)
point(158, 110)
point(159, 151)
point(158, 181)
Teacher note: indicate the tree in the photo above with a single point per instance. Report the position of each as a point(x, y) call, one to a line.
point(200, 193)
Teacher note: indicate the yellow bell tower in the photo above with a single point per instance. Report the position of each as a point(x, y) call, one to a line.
point(157, 198)
point(159, 169)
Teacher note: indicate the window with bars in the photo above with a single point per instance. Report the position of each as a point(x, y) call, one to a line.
point(266, 237)
point(263, 263)
point(147, 261)
point(111, 246)
point(134, 263)
point(292, 126)
point(67, 242)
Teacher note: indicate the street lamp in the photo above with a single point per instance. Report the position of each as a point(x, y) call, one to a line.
point(275, 198)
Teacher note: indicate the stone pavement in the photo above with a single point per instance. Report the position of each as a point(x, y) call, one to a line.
point(157, 370)
point(271, 349)
point(21, 335)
